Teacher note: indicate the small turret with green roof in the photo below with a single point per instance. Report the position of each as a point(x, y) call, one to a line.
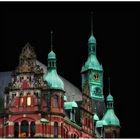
point(51, 77)
point(110, 118)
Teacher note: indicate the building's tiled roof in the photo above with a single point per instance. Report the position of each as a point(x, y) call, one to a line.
point(5, 78)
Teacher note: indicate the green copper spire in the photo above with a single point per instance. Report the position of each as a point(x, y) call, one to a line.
point(109, 97)
point(92, 62)
point(51, 55)
point(51, 77)
point(92, 40)
point(110, 118)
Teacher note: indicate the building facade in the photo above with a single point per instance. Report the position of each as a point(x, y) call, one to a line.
point(37, 103)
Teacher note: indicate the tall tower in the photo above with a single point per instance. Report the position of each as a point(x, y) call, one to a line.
point(92, 72)
point(54, 97)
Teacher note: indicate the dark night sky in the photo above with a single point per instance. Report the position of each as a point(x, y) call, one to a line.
point(114, 26)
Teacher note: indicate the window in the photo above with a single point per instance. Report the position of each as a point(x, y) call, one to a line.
point(71, 135)
point(32, 128)
point(28, 101)
point(56, 99)
point(36, 94)
point(13, 95)
point(73, 115)
point(114, 134)
point(24, 128)
point(21, 101)
point(16, 127)
point(55, 129)
point(74, 136)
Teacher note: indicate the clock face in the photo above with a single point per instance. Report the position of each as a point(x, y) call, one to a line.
point(96, 76)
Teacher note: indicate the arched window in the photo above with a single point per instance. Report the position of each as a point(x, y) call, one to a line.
point(74, 136)
point(55, 129)
point(32, 129)
point(71, 135)
point(16, 127)
point(24, 128)
point(28, 101)
point(56, 101)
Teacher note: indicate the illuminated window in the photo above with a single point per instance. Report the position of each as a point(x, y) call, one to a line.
point(28, 101)
point(21, 101)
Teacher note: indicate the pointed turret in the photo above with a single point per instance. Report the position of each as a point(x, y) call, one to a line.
point(91, 40)
point(110, 119)
point(92, 62)
point(51, 77)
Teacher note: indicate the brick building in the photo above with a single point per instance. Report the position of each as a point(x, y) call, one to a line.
point(37, 102)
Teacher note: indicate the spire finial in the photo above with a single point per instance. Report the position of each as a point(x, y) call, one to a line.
point(91, 22)
point(51, 41)
point(109, 85)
